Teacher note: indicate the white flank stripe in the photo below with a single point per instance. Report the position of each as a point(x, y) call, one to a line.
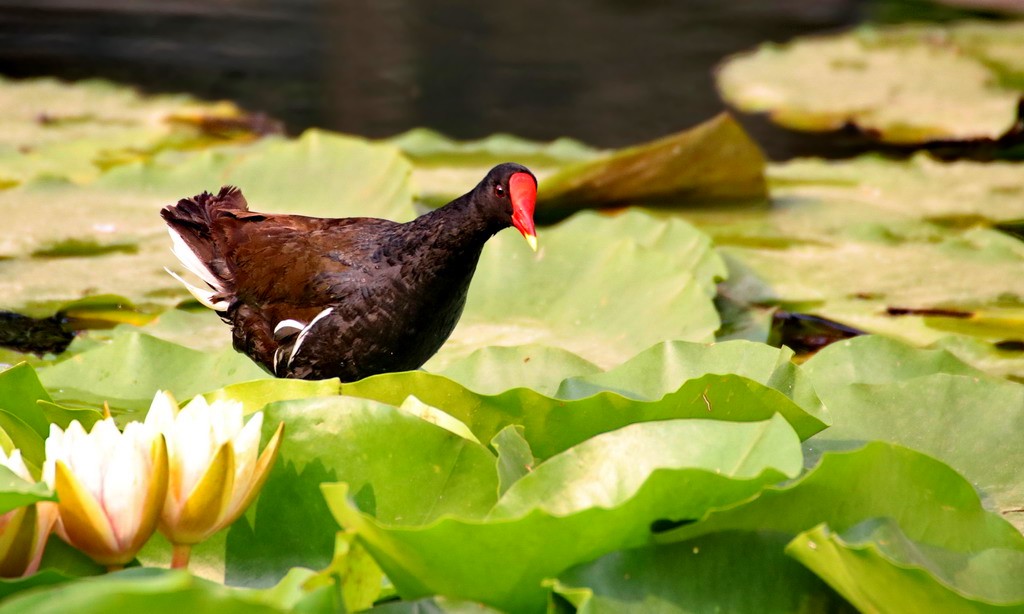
point(305, 331)
point(191, 261)
point(288, 324)
point(203, 296)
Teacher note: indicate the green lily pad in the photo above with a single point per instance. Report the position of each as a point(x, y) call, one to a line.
point(722, 572)
point(495, 369)
point(552, 519)
point(77, 130)
point(722, 397)
point(15, 492)
point(901, 84)
point(339, 438)
point(916, 398)
point(877, 567)
point(163, 591)
point(117, 216)
point(594, 289)
point(127, 373)
point(713, 161)
point(931, 502)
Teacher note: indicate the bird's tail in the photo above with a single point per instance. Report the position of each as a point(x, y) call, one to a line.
point(192, 224)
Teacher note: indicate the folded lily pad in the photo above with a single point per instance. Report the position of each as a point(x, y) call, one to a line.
point(906, 85)
point(732, 571)
point(713, 161)
point(876, 566)
point(555, 518)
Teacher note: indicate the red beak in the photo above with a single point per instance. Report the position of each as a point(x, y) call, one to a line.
point(523, 191)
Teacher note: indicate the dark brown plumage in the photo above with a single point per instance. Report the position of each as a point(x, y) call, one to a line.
point(349, 297)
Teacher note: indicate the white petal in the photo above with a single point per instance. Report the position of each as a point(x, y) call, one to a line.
point(247, 446)
point(194, 444)
point(85, 458)
point(161, 412)
point(226, 420)
point(15, 463)
point(126, 483)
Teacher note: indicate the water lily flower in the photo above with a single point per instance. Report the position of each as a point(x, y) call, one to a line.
point(23, 531)
point(110, 485)
point(215, 469)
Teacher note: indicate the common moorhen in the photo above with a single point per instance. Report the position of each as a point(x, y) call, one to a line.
point(315, 298)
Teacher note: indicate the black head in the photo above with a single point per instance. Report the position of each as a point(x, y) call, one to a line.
point(511, 190)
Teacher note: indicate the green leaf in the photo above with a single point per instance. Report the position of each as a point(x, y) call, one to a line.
point(51, 128)
point(872, 359)
point(931, 502)
point(878, 568)
point(561, 523)
point(917, 398)
point(665, 366)
point(434, 605)
point(515, 459)
point(379, 450)
point(20, 390)
point(722, 572)
point(119, 214)
point(140, 589)
point(12, 586)
point(955, 193)
point(255, 395)
point(593, 289)
point(593, 474)
point(64, 416)
point(714, 161)
point(905, 84)
point(495, 369)
point(552, 425)
point(129, 371)
point(24, 437)
point(15, 492)
point(353, 572)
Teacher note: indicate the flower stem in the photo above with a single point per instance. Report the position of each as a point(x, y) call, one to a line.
point(180, 555)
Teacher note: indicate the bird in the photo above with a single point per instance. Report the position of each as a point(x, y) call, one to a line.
point(318, 298)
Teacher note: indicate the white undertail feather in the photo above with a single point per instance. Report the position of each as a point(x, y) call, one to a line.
point(191, 261)
point(205, 297)
point(288, 327)
point(305, 331)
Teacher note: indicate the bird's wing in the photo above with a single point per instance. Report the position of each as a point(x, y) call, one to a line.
point(287, 259)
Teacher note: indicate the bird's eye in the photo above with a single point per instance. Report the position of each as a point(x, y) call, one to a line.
point(499, 191)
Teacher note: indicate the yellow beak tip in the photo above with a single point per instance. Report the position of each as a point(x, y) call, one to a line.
point(532, 241)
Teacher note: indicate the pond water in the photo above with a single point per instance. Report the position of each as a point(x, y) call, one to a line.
point(608, 72)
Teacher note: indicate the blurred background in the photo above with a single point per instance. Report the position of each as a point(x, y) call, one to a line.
point(607, 72)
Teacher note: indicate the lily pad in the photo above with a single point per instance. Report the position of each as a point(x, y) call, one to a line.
point(899, 248)
point(128, 371)
point(317, 174)
point(876, 566)
point(905, 85)
point(594, 289)
point(555, 520)
point(722, 572)
point(931, 502)
point(713, 161)
point(77, 130)
point(916, 398)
